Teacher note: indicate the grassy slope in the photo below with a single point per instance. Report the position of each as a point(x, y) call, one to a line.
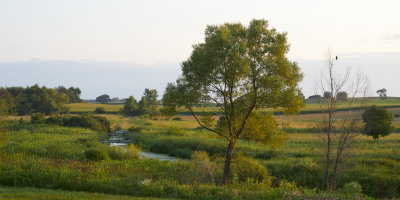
point(18, 193)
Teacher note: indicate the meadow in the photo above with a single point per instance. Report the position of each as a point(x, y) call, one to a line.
point(62, 161)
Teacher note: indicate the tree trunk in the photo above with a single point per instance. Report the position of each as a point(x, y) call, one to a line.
point(335, 171)
point(328, 152)
point(228, 159)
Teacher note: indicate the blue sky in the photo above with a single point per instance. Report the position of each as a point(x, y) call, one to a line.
point(120, 47)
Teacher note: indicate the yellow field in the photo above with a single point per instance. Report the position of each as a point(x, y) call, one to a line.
point(90, 107)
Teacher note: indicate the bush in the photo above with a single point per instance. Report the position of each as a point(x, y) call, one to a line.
point(244, 168)
point(173, 130)
point(38, 118)
point(177, 119)
point(95, 155)
point(96, 123)
point(351, 188)
point(136, 129)
point(100, 110)
point(118, 153)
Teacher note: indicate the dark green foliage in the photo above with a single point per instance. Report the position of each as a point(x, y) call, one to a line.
point(378, 122)
point(382, 93)
point(38, 118)
point(105, 98)
point(341, 96)
point(96, 123)
point(130, 107)
point(327, 94)
point(96, 154)
point(72, 93)
point(148, 103)
point(100, 110)
point(41, 99)
point(317, 96)
point(9, 101)
point(177, 118)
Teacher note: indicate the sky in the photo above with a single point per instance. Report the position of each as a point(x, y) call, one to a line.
point(121, 47)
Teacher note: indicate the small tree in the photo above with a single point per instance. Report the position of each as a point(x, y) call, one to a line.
point(327, 94)
point(130, 107)
point(148, 103)
point(382, 93)
point(240, 69)
point(3, 113)
point(338, 134)
point(378, 122)
point(100, 110)
point(342, 96)
point(105, 98)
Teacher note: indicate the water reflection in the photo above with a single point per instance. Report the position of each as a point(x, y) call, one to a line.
point(121, 140)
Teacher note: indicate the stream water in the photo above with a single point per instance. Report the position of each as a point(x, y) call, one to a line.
point(122, 141)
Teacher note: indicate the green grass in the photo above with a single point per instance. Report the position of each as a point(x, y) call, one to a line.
point(54, 157)
point(19, 193)
point(90, 107)
point(375, 164)
point(311, 106)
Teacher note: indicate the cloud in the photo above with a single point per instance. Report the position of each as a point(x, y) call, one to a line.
point(392, 36)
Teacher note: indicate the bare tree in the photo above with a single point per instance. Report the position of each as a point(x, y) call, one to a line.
point(338, 130)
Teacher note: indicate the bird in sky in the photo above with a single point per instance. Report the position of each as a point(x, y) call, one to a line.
point(336, 57)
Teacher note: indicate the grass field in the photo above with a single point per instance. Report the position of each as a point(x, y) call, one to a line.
point(18, 193)
point(54, 157)
point(90, 107)
point(311, 105)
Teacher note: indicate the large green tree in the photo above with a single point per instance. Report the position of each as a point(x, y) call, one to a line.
point(239, 69)
point(378, 122)
point(105, 98)
point(42, 100)
point(148, 103)
point(130, 107)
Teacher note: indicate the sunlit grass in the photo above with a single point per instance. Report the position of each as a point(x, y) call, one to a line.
point(90, 107)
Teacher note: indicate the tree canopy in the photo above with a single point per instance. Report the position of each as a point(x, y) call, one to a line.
point(378, 122)
point(239, 69)
point(105, 98)
point(148, 103)
point(37, 99)
point(130, 107)
point(382, 93)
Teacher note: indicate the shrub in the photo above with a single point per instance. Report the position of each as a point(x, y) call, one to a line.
point(173, 130)
point(351, 188)
point(135, 129)
point(95, 155)
point(119, 153)
point(177, 118)
point(55, 120)
point(100, 110)
point(245, 168)
point(38, 118)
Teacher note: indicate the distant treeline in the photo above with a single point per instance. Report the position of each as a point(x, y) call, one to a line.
point(36, 99)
